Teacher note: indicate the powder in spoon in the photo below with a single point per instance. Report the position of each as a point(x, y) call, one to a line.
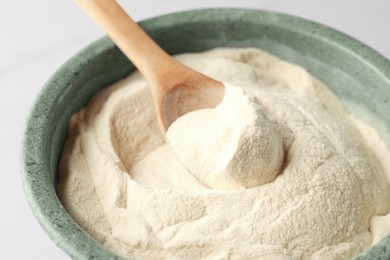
point(229, 147)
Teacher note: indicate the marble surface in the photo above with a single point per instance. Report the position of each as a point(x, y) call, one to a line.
point(38, 36)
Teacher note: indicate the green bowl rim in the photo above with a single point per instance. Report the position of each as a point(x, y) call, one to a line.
point(53, 217)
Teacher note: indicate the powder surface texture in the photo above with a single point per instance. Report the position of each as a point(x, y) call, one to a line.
point(126, 187)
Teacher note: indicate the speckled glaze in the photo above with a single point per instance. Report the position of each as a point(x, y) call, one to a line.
point(355, 73)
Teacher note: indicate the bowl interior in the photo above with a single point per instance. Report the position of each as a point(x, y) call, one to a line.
point(358, 75)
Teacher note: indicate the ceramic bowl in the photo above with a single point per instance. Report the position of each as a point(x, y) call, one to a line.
point(359, 76)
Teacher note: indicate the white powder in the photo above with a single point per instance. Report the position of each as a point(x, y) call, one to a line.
point(125, 186)
point(229, 147)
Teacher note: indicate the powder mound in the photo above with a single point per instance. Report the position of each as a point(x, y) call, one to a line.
point(229, 147)
point(125, 186)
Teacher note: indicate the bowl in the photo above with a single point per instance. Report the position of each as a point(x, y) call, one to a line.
point(358, 75)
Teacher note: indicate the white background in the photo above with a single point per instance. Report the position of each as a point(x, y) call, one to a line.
point(37, 36)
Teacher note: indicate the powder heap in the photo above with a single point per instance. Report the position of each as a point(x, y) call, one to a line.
point(229, 147)
point(125, 186)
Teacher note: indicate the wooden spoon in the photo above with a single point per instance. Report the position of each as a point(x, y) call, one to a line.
point(176, 89)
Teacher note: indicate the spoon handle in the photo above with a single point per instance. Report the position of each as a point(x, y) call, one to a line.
point(146, 55)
